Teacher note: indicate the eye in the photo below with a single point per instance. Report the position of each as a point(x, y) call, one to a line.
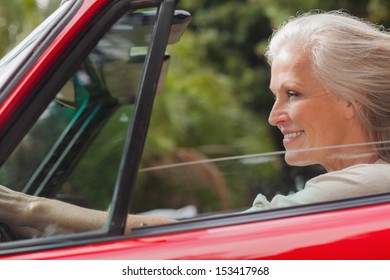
point(291, 94)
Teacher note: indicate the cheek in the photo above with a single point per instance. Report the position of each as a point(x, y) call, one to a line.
point(314, 120)
point(302, 115)
point(326, 127)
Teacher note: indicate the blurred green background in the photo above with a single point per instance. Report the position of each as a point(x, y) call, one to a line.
point(218, 76)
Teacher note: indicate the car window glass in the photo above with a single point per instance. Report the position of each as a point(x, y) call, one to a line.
point(73, 151)
point(19, 169)
point(189, 183)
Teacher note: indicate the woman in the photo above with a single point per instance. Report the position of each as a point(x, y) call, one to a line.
point(331, 82)
point(330, 75)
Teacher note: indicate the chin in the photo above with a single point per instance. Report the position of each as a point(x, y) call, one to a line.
point(298, 158)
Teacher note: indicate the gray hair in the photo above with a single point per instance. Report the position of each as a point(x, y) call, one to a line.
point(351, 58)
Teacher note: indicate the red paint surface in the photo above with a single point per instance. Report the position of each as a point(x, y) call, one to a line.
point(361, 233)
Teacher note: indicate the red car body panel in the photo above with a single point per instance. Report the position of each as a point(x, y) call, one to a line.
point(345, 234)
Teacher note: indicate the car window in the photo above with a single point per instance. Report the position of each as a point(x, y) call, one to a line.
point(191, 182)
point(73, 151)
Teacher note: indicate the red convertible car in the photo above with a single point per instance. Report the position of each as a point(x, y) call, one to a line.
point(76, 101)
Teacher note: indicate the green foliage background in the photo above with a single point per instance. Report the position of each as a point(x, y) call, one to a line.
point(218, 77)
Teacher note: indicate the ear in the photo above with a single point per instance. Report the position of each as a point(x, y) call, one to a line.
point(349, 109)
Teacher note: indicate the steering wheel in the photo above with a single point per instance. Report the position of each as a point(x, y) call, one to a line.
point(6, 233)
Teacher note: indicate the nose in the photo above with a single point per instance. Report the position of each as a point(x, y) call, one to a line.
point(278, 114)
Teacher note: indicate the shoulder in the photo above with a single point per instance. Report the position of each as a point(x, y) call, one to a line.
point(355, 181)
point(356, 174)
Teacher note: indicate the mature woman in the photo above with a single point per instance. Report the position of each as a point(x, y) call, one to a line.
point(331, 82)
point(330, 75)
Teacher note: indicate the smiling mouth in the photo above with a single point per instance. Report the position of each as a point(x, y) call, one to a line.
point(292, 135)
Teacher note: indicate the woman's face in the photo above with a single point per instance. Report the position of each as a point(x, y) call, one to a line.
point(307, 115)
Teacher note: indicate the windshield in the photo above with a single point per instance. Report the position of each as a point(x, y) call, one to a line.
point(75, 147)
point(74, 150)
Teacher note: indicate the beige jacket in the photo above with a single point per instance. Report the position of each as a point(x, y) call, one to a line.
point(354, 181)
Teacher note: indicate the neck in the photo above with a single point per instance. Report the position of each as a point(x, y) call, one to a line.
point(344, 160)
